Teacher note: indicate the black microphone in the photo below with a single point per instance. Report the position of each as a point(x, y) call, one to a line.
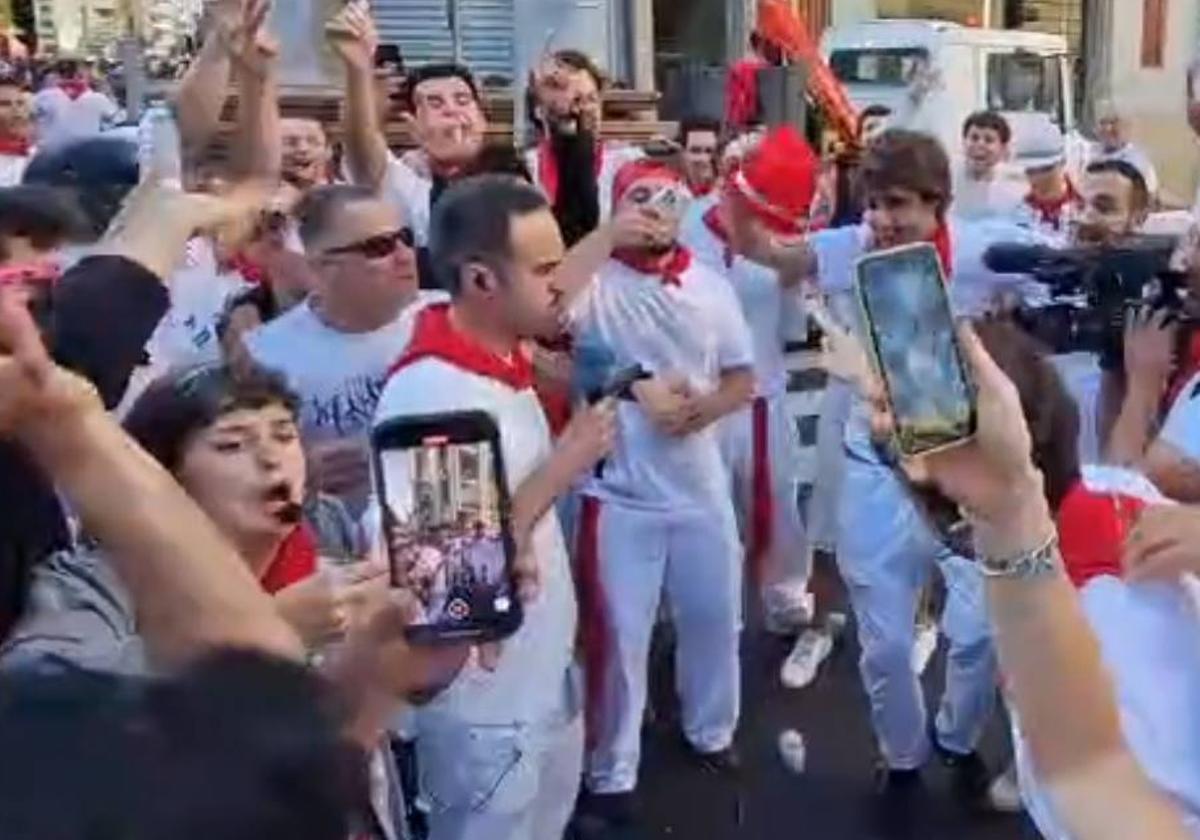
point(1015, 258)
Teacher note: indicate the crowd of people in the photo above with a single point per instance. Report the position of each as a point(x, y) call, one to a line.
point(195, 589)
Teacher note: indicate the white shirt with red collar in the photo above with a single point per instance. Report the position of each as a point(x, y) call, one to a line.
point(1051, 220)
point(1149, 637)
point(12, 166)
point(687, 323)
point(612, 156)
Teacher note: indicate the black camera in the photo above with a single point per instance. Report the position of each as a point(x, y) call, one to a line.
point(1092, 289)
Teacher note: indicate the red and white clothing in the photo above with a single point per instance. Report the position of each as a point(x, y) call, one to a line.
point(998, 195)
point(759, 442)
point(71, 111)
point(1051, 219)
point(610, 157)
point(1149, 636)
point(500, 751)
point(15, 154)
point(658, 520)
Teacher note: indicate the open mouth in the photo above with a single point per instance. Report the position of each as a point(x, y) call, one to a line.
point(279, 500)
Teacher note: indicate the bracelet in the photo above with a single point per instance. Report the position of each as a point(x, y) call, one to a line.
point(1026, 565)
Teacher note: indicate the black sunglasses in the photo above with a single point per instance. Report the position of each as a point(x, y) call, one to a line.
point(378, 247)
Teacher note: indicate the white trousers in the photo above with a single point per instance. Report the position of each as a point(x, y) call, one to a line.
point(500, 782)
point(885, 555)
point(1081, 375)
point(831, 454)
point(627, 561)
point(760, 448)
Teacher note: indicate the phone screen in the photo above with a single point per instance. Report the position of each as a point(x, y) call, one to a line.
point(445, 507)
point(911, 332)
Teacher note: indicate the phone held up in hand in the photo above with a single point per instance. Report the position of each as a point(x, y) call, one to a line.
point(446, 515)
point(912, 339)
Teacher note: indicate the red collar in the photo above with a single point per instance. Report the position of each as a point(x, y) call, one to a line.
point(1092, 528)
point(667, 267)
point(1050, 210)
point(251, 271)
point(15, 146)
point(712, 221)
point(74, 88)
point(548, 168)
point(945, 248)
point(435, 336)
point(295, 561)
point(701, 190)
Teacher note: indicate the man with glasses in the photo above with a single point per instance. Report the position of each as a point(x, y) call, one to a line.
point(336, 347)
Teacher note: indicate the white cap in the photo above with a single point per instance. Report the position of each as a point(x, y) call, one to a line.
point(1040, 145)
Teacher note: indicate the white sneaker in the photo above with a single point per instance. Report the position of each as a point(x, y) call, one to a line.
point(811, 649)
point(924, 647)
point(1004, 795)
point(792, 751)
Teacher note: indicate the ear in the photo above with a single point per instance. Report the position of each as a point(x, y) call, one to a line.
point(479, 277)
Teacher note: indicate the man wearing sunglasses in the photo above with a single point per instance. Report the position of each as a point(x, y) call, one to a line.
point(336, 347)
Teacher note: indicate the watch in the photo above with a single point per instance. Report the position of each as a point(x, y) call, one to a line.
point(1028, 564)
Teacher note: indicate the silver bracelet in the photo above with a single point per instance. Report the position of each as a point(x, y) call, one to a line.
point(1027, 564)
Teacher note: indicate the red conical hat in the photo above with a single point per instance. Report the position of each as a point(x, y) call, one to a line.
point(778, 179)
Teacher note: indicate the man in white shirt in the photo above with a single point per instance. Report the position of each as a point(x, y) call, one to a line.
point(744, 237)
point(71, 109)
point(335, 349)
point(984, 185)
point(500, 751)
point(700, 141)
point(1052, 205)
point(657, 521)
point(1113, 143)
point(15, 148)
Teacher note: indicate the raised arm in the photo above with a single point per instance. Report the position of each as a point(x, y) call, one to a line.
point(201, 95)
point(257, 145)
point(353, 37)
point(191, 590)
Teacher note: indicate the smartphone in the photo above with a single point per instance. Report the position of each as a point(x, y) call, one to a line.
point(446, 509)
point(911, 336)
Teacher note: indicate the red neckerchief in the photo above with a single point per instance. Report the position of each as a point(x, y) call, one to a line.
point(15, 146)
point(251, 271)
point(548, 167)
point(74, 88)
point(1050, 211)
point(295, 561)
point(1092, 528)
point(712, 221)
point(435, 336)
point(703, 189)
point(668, 267)
point(941, 241)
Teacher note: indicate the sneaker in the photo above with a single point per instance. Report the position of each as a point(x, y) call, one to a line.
point(599, 814)
point(899, 805)
point(924, 647)
point(801, 666)
point(793, 751)
point(970, 779)
point(1004, 794)
point(726, 762)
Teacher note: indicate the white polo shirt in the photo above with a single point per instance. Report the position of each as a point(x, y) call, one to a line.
point(531, 682)
point(615, 154)
point(695, 330)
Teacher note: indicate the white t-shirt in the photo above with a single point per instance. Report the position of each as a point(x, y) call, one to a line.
point(411, 192)
point(60, 119)
point(12, 169)
point(999, 196)
point(531, 683)
point(616, 155)
point(1182, 427)
point(338, 376)
point(764, 302)
point(1132, 155)
point(695, 330)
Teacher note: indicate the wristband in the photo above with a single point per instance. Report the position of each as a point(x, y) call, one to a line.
point(1026, 565)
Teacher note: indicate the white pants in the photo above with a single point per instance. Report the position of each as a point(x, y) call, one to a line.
point(627, 560)
point(831, 454)
point(505, 782)
point(1080, 374)
point(885, 554)
point(760, 448)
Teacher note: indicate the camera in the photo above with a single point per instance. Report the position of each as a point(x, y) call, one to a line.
point(1091, 291)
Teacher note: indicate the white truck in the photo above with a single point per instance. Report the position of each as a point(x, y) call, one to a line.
point(933, 74)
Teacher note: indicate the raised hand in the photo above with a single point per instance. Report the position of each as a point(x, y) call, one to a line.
point(353, 36)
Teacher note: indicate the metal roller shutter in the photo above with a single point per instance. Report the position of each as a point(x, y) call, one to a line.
point(422, 31)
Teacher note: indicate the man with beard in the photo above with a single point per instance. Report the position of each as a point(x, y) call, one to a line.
point(306, 153)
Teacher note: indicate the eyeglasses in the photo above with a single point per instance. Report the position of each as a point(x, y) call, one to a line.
point(378, 247)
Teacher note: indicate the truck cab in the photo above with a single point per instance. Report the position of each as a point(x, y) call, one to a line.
point(933, 74)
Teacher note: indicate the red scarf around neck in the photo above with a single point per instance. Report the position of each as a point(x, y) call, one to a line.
point(73, 88)
point(1092, 528)
point(548, 173)
point(1050, 211)
point(15, 146)
point(436, 336)
point(702, 190)
point(712, 221)
point(945, 248)
point(668, 267)
point(295, 561)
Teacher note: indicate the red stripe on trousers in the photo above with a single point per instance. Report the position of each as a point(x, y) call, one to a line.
point(593, 617)
point(762, 510)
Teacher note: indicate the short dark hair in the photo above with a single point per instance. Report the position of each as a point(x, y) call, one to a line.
point(46, 216)
point(582, 62)
point(870, 112)
point(177, 406)
point(320, 207)
point(430, 72)
point(472, 222)
point(989, 121)
point(690, 125)
point(908, 160)
point(1141, 191)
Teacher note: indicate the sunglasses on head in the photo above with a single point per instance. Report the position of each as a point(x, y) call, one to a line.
point(378, 247)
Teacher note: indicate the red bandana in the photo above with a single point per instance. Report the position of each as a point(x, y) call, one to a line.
point(668, 267)
point(701, 190)
point(1092, 528)
point(548, 168)
point(74, 88)
point(295, 561)
point(712, 221)
point(251, 271)
point(1050, 211)
point(15, 146)
point(941, 241)
point(435, 336)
